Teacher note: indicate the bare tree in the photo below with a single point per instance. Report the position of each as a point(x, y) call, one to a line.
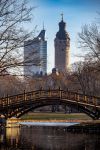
point(88, 72)
point(14, 14)
point(89, 40)
point(88, 78)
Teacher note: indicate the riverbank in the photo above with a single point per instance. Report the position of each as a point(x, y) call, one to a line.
point(58, 117)
point(66, 121)
point(84, 124)
point(55, 116)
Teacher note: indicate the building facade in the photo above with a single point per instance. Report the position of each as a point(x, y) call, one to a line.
point(62, 48)
point(35, 55)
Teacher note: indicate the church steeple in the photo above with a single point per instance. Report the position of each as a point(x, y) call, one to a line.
point(62, 25)
point(62, 34)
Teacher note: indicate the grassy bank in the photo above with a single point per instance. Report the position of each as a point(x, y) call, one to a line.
point(55, 116)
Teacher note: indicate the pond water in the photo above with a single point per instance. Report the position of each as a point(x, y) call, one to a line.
point(59, 124)
point(46, 138)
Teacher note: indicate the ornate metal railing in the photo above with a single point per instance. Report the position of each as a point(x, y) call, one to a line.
point(40, 94)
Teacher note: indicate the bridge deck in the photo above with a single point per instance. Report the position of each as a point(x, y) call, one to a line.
point(9, 103)
point(66, 95)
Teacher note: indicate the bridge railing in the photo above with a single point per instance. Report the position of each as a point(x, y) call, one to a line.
point(39, 94)
point(81, 98)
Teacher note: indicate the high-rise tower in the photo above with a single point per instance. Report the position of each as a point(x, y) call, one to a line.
point(36, 52)
point(62, 48)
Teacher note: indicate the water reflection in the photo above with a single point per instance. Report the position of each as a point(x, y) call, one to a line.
point(46, 138)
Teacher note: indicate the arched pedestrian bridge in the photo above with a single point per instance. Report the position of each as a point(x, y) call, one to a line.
point(20, 104)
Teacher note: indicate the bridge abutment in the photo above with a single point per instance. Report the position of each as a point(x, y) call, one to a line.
point(3, 121)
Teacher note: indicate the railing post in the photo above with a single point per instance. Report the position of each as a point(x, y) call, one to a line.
point(78, 98)
point(85, 98)
point(49, 92)
point(7, 100)
point(40, 93)
point(24, 95)
point(60, 93)
point(4, 100)
point(67, 93)
point(75, 97)
point(94, 101)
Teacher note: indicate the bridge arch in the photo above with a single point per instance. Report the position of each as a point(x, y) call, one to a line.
point(18, 105)
point(58, 101)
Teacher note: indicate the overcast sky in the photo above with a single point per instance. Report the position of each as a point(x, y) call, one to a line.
point(76, 14)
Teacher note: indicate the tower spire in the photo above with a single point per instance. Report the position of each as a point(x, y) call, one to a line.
point(43, 25)
point(62, 16)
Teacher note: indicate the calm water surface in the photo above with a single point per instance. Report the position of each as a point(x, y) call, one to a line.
point(46, 138)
